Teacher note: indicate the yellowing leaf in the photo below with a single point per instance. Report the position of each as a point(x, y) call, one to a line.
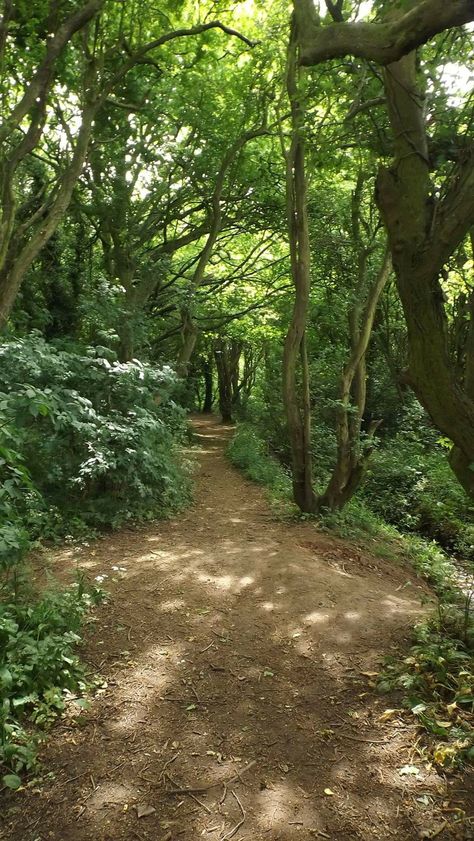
point(388, 714)
point(328, 792)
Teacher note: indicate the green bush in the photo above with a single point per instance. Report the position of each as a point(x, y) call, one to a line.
point(85, 443)
point(437, 680)
point(86, 440)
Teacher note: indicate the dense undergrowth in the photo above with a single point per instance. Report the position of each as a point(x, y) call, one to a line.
point(436, 677)
point(86, 443)
point(408, 484)
point(40, 671)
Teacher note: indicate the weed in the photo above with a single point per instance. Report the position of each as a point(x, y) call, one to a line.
point(38, 669)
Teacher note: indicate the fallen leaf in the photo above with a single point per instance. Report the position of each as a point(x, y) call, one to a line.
point(328, 792)
point(12, 781)
point(144, 809)
point(409, 770)
point(388, 714)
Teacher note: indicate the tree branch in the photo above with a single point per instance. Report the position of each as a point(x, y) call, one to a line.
point(41, 80)
point(383, 42)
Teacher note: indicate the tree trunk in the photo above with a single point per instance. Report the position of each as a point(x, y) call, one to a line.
point(297, 404)
point(227, 356)
point(17, 262)
point(189, 335)
point(423, 230)
point(422, 236)
point(208, 386)
point(224, 381)
point(352, 457)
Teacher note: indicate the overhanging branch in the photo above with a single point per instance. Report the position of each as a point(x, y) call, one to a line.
point(383, 42)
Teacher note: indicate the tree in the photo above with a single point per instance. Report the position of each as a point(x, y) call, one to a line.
point(101, 73)
point(425, 226)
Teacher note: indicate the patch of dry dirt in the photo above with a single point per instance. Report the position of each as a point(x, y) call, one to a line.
point(237, 653)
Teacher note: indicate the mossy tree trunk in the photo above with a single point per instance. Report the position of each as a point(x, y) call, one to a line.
point(423, 233)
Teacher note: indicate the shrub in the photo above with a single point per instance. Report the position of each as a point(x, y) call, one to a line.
point(83, 434)
point(437, 680)
point(414, 488)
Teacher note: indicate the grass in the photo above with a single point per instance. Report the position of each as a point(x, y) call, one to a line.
point(251, 455)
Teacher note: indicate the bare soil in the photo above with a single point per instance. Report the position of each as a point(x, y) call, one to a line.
point(239, 655)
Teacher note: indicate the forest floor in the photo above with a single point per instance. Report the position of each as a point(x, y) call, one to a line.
point(239, 655)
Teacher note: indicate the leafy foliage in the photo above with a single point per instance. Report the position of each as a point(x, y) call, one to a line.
point(248, 452)
point(410, 484)
point(39, 669)
point(437, 680)
point(88, 442)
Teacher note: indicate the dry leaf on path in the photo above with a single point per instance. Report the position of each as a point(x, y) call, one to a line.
point(144, 809)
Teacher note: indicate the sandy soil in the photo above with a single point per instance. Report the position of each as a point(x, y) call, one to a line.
point(239, 655)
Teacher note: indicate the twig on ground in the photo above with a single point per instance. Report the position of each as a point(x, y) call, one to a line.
point(168, 763)
point(77, 777)
point(200, 803)
point(236, 828)
point(201, 789)
point(357, 739)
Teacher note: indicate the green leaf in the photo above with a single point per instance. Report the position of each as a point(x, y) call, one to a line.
point(11, 781)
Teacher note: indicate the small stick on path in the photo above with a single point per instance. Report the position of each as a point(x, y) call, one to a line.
point(200, 789)
point(236, 828)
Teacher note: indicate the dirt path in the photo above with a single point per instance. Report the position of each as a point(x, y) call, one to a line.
point(232, 645)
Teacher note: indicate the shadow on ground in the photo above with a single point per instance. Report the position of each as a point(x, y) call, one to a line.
point(239, 656)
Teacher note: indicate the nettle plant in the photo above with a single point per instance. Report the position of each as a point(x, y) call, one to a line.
point(86, 436)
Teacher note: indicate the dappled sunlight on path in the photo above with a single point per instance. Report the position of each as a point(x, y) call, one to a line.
point(239, 656)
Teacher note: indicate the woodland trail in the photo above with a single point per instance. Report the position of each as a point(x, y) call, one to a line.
point(236, 645)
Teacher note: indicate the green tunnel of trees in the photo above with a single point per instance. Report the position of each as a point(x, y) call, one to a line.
point(276, 208)
point(243, 208)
